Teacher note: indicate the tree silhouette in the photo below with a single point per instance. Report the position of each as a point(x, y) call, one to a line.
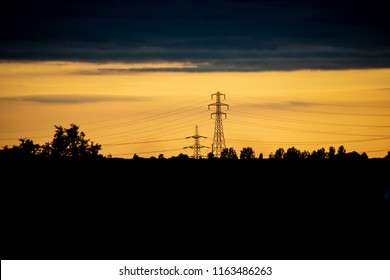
point(354, 155)
point(181, 156)
point(341, 152)
point(26, 149)
point(71, 143)
point(305, 154)
point(247, 153)
point(66, 143)
point(279, 153)
point(229, 153)
point(331, 153)
point(319, 154)
point(292, 153)
point(261, 156)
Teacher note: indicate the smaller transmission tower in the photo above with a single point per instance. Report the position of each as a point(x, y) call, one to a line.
point(219, 138)
point(197, 146)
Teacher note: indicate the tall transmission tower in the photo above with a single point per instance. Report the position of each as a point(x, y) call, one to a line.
point(197, 146)
point(219, 139)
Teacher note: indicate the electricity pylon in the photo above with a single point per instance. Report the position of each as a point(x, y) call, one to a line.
point(197, 146)
point(219, 139)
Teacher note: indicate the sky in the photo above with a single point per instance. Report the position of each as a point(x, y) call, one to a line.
point(138, 76)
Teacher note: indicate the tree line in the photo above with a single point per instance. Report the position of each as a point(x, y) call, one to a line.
point(72, 143)
point(293, 153)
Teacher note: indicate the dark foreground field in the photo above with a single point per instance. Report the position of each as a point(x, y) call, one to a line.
point(191, 209)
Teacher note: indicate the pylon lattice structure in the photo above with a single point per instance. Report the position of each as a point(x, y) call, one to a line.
point(197, 146)
point(219, 138)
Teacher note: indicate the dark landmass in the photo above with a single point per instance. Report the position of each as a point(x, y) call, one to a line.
point(195, 209)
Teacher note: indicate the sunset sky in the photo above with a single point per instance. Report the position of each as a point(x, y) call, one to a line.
point(137, 76)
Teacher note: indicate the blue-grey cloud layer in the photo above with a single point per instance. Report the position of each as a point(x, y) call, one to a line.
point(229, 35)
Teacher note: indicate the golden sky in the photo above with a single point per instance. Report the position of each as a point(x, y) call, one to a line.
point(130, 111)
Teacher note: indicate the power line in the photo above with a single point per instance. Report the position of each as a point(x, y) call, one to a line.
point(283, 108)
point(304, 130)
point(309, 143)
point(306, 121)
point(143, 142)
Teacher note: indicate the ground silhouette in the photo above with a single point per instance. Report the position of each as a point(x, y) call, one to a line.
point(213, 208)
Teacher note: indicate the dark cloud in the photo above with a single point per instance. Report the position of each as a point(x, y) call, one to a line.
point(228, 35)
point(70, 98)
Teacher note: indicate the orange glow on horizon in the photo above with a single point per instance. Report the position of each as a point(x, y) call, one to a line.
point(149, 113)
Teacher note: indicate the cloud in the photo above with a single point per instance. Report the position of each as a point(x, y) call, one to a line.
point(71, 98)
point(219, 35)
point(286, 104)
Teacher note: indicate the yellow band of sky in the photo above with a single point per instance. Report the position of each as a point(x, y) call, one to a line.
point(128, 110)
